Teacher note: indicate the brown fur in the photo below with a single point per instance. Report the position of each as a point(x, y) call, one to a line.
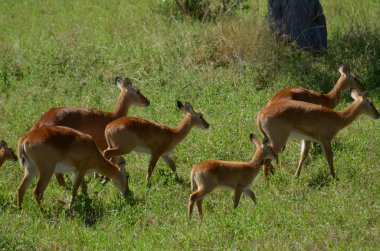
point(125, 135)
point(6, 153)
point(314, 122)
point(345, 82)
point(43, 148)
point(93, 121)
point(236, 175)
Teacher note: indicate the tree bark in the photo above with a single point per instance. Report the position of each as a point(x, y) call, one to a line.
point(301, 21)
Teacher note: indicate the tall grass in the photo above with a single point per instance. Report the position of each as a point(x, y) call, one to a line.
point(248, 41)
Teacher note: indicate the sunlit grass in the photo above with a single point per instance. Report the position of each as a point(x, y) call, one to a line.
point(55, 53)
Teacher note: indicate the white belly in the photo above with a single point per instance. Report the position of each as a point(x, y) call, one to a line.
point(299, 135)
point(64, 167)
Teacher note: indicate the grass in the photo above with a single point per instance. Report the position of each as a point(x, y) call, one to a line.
point(56, 53)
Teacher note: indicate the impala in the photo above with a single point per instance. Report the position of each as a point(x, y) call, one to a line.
point(93, 121)
point(236, 175)
point(6, 153)
point(56, 149)
point(311, 122)
point(346, 82)
point(125, 135)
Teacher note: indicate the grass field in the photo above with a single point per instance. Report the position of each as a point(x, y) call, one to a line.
point(67, 53)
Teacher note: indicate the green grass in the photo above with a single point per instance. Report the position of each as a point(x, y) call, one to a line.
point(55, 53)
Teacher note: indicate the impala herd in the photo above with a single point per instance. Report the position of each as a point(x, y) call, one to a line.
point(81, 141)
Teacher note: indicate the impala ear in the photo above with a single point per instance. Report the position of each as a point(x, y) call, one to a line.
point(355, 94)
point(127, 83)
point(180, 106)
point(343, 69)
point(189, 108)
point(254, 140)
point(3, 144)
point(119, 82)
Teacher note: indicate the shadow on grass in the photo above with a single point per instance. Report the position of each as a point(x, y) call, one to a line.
point(88, 211)
point(319, 181)
point(7, 202)
point(168, 178)
point(132, 200)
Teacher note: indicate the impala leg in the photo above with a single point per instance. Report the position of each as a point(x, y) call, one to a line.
point(169, 161)
point(78, 180)
point(199, 207)
point(329, 156)
point(268, 168)
point(25, 183)
point(152, 164)
point(250, 194)
point(238, 192)
point(42, 183)
point(194, 198)
point(83, 187)
point(190, 206)
point(304, 151)
point(60, 179)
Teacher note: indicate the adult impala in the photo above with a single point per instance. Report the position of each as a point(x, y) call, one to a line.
point(125, 135)
point(346, 82)
point(94, 121)
point(236, 175)
point(311, 122)
point(6, 153)
point(56, 149)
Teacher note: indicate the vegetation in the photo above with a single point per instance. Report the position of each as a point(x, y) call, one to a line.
point(55, 53)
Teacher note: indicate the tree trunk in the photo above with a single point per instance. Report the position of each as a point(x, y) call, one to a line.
point(301, 21)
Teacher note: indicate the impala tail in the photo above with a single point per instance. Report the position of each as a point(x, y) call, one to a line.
point(193, 182)
point(21, 154)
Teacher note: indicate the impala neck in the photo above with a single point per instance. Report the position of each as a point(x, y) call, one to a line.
point(257, 161)
point(183, 128)
point(349, 114)
point(108, 169)
point(336, 93)
point(122, 105)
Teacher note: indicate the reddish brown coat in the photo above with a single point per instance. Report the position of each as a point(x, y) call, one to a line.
point(48, 150)
point(125, 135)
